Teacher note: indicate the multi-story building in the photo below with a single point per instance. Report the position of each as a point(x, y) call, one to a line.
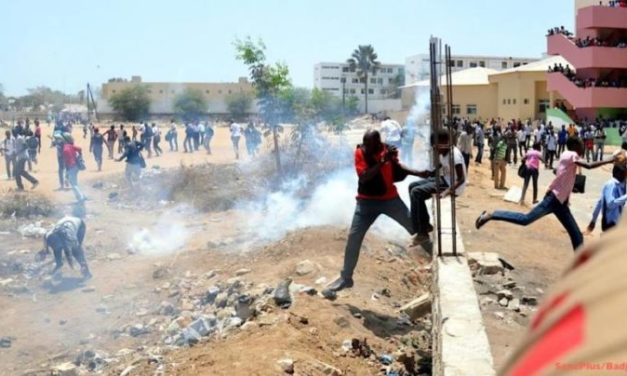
point(383, 87)
point(596, 81)
point(417, 66)
point(163, 94)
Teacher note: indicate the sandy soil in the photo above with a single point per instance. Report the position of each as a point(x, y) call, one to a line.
point(52, 323)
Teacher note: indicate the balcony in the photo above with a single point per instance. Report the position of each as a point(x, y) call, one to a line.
point(601, 17)
point(587, 57)
point(589, 97)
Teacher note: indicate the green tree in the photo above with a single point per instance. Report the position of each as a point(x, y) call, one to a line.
point(4, 102)
point(190, 105)
point(352, 105)
point(270, 82)
point(132, 103)
point(364, 62)
point(239, 104)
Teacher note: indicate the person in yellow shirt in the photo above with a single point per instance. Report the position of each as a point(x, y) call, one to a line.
point(572, 131)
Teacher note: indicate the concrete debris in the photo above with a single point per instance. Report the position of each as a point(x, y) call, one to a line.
point(499, 315)
point(167, 309)
point(64, 369)
point(205, 325)
point(137, 330)
point(505, 294)
point(286, 365)
point(211, 295)
point(513, 195)
point(418, 307)
point(187, 337)
point(485, 262)
point(509, 284)
point(243, 307)
point(114, 256)
point(282, 296)
point(324, 368)
point(160, 273)
point(221, 300)
point(514, 305)
point(529, 300)
point(503, 302)
point(321, 281)
point(305, 267)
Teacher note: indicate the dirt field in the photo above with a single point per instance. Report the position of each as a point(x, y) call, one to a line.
point(130, 315)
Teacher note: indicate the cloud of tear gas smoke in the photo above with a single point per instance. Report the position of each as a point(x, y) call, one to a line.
point(168, 235)
point(419, 117)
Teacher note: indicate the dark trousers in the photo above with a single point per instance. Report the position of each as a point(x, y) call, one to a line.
point(61, 172)
point(366, 212)
point(20, 172)
point(479, 153)
point(9, 163)
point(522, 148)
point(550, 155)
point(549, 205)
point(560, 149)
point(155, 144)
point(530, 174)
point(174, 143)
point(419, 192)
point(187, 144)
point(511, 149)
point(98, 157)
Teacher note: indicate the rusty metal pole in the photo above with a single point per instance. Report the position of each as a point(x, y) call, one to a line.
point(436, 116)
point(451, 153)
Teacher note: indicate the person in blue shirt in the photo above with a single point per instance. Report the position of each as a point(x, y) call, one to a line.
point(612, 200)
point(562, 136)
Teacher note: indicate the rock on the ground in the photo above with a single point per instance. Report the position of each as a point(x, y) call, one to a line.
point(64, 369)
point(282, 296)
point(244, 308)
point(514, 305)
point(137, 330)
point(287, 365)
point(305, 267)
point(5, 342)
point(167, 309)
point(113, 256)
point(503, 302)
point(509, 284)
point(485, 262)
point(205, 325)
point(325, 369)
point(418, 307)
point(242, 272)
point(329, 294)
point(504, 294)
point(499, 315)
point(529, 300)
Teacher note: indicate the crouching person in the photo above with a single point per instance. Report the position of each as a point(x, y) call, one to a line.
point(66, 237)
point(378, 168)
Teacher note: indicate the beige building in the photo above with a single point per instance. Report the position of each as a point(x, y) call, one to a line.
point(483, 93)
point(163, 94)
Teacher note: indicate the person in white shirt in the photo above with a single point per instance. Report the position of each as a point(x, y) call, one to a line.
point(156, 139)
point(236, 134)
point(551, 148)
point(522, 142)
point(8, 150)
point(422, 190)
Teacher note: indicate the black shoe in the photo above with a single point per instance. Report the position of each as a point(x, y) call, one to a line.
point(340, 284)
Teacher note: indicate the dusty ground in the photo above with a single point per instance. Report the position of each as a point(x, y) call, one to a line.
point(53, 322)
point(539, 252)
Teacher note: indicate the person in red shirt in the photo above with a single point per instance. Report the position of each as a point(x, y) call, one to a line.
point(378, 168)
point(71, 154)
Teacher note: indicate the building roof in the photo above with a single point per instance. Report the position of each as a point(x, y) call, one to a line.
point(471, 76)
point(537, 66)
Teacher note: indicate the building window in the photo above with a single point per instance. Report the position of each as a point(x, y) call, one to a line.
point(456, 109)
point(516, 65)
point(373, 80)
point(504, 101)
point(362, 80)
point(473, 64)
point(355, 80)
point(370, 91)
point(345, 69)
point(383, 92)
point(451, 63)
point(504, 65)
point(482, 64)
point(543, 105)
point(460, 63)
point(390, 70)
point(471, 109)
point(352, 91)
point(363, 91)
point(514, 101)
point(380, 81)
point(526, 101)
point(509, 101)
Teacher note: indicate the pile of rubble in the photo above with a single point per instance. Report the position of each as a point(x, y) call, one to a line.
point(499, 293)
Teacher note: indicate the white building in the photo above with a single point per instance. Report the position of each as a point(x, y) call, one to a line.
point(338, 79)
point(417, 66)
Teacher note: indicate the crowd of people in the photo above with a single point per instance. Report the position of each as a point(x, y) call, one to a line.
point(614, 82)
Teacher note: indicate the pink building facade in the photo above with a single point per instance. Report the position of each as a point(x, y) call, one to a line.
point(596, 84)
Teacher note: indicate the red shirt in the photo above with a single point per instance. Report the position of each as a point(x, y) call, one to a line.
point(69, 155)
point(386, 170)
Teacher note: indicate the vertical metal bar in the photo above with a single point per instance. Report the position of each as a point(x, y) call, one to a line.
point(451, 154)
point(436, 112)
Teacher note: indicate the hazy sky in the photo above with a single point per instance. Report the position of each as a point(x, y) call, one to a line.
point(66, 43)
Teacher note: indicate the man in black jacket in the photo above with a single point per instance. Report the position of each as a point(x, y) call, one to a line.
point(378, 168)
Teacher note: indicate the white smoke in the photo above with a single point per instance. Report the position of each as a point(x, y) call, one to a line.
point(418, 117)
point(167, 236)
